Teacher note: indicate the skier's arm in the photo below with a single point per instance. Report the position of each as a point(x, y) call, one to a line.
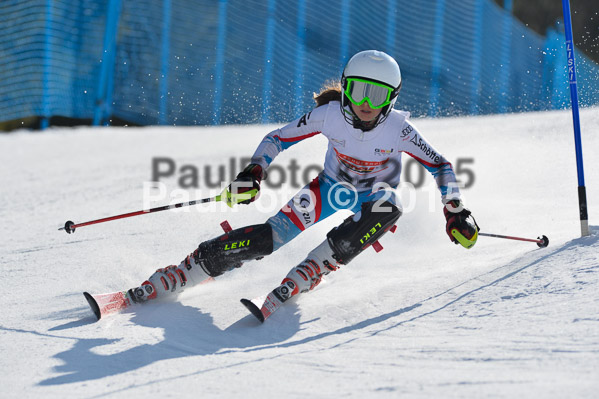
point(420, 149)
point(460, 225)
point(278, 140)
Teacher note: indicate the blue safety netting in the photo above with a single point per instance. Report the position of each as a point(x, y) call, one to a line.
point(242, 61)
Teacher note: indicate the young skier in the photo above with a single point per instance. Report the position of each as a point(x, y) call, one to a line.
point(366, 139)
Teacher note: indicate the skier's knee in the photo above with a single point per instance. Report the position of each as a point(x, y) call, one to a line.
point(362, 229)
point(343, 243)
point(229, 250)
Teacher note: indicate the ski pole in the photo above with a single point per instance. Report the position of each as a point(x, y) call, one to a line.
point(542, 241)
point(70, 227)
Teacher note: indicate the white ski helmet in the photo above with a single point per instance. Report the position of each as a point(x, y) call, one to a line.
point(363, 73)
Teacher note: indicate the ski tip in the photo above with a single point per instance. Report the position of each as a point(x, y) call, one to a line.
point(253, 309)
point(93, 305)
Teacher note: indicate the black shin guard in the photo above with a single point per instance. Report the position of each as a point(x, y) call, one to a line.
point(353, 236)
point(228, 251)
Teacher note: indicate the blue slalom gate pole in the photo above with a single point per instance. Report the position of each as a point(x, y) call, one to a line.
point(582, 196)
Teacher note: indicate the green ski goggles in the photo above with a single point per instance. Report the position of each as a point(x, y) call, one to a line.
point(358, 91)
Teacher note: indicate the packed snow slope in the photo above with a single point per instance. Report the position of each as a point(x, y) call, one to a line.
point(422, 318)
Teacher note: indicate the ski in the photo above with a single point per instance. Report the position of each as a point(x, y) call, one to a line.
point(114, 302)
point(271, 305)
point(254, 309)
point(273, 302)
point(104, 304)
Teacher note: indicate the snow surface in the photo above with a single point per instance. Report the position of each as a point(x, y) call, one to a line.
point(423, 318)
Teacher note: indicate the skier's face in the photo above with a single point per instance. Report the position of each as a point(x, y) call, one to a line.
point(365, 113)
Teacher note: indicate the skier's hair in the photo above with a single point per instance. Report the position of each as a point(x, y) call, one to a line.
point(331, 91)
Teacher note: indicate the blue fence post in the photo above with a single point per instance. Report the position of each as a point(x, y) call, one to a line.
point(476, 58)
point(582, 197)
point(391, 26)
point(436, 58)
point(219, 67)
point(268, 62)
point(344, 43)
point(164, 63)
point(506, 49)
point(300, 51)
point(109, 87)
point(108, 56)
point(45, 121)
point(548, 66)
point(554, 73)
